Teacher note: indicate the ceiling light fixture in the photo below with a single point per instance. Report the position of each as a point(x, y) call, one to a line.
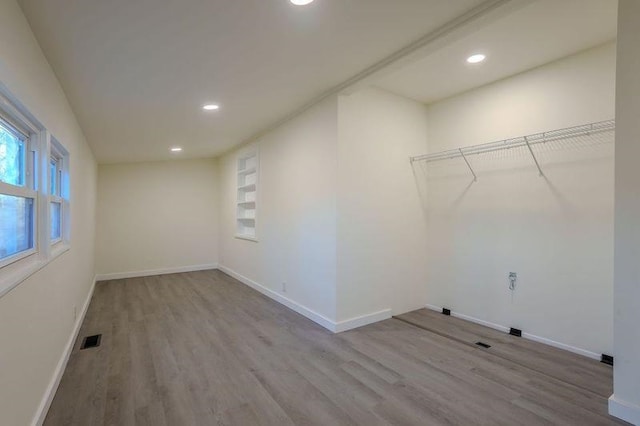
point(301, 2)
point(176, 149)
point(210, 107)
point(474, 59)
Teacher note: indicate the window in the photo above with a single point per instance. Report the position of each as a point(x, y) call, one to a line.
point(57, 193)
point(18, 197)
point(34, 195)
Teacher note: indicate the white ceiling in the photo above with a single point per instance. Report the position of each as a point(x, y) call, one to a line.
point(540, 32)
point(137, 72)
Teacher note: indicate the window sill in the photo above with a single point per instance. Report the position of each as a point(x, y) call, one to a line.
point(23, 269)
point(59, 248)
point(246, 237)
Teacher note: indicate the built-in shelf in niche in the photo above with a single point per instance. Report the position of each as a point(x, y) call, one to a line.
point(247, 190)
point(247, 171)
point(250, 187)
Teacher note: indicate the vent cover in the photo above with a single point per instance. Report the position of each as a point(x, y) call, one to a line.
point(446, 311)
point(515, 332)
point(483, 345)
point(91, 341)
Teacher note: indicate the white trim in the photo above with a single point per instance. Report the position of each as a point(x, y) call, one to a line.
point(295, 306)
point(564, 346)
point(44, 225)
point(335, 327)
point(242, 223)
point(16, 112)
point(14, 127)
point(528, 336)
point(59, 248)
point(20, 271)
point(17, 190)
point(47, 398)
point(624, 410)
point(17, 256)
point(362, 320)
point(471, 319)
point(150, 272)
point(246, 237)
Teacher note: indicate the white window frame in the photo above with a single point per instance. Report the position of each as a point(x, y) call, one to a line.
point(29, 188)
point(58, 154)
point(40, 146)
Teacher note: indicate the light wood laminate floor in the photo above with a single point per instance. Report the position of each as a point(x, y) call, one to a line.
point(200, 348)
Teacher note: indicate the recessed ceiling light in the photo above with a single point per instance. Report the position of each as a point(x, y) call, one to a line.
point(176, 149)
point(301, 2)
point(474, 59)
point(210, 107)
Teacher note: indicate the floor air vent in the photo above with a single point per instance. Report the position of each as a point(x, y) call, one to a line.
point(446, 311)
point(483, 345)
point(91, 341)
point(515, 332)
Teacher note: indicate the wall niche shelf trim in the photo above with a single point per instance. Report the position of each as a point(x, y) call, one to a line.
point(247, 167)
point(247, 171)
point(250, 187)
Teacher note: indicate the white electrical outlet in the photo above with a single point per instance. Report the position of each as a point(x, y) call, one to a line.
point(284, 287)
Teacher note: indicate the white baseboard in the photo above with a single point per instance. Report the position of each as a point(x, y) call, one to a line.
point(47, 399)
point(528, 336)
point(295, 306)
point(335, 327)
point(564, 346)
point(471, 319)
point(361, 321)
point(624, 410)
point(150, 272)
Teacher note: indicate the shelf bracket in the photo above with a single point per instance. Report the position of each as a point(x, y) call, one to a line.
point(526, 140)
point(464, 157)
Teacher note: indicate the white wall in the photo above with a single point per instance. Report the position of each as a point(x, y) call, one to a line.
point(381, 224)
point(555, 232)
point(296, 225)
point(36, 317)
point(625, 402)
point(156, 216)
point(337, 208)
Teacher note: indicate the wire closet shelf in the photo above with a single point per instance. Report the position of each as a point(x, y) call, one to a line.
point(519, 142)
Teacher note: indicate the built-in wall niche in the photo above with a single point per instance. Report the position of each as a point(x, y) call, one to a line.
point(247, 206)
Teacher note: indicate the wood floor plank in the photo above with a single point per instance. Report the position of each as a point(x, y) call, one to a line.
point(200, 348)
point(567, 366)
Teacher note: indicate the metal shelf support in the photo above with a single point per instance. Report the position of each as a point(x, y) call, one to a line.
point(535, 160)
point(464, 157)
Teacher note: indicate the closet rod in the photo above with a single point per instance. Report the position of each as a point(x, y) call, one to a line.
point(522, 141)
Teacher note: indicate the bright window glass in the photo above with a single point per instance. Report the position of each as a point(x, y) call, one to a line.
point(56, 218)
point(11, 158)
point(53, 177)
point(16, 225)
